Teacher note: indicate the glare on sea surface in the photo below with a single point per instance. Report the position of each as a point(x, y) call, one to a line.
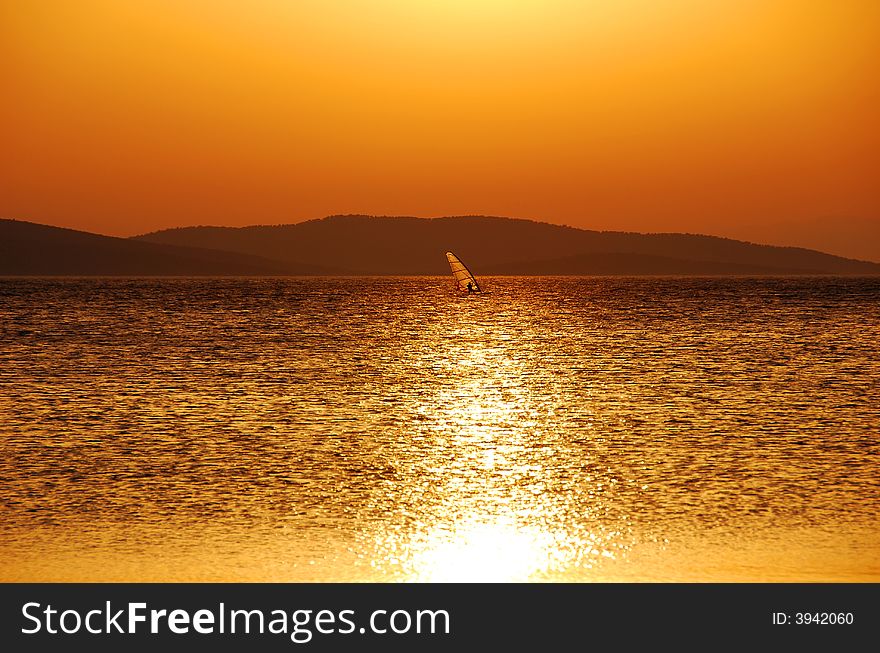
point(483, 552)
point(479, 489)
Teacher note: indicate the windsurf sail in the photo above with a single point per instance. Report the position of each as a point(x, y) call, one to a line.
point(463, 277)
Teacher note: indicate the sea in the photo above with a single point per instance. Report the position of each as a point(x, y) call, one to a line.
point(390, 429)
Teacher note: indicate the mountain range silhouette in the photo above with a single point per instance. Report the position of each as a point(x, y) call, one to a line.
point(369, 245)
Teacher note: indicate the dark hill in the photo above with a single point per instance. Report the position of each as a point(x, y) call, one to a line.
point(626, 264)
point(490, 245)
point(27, 248)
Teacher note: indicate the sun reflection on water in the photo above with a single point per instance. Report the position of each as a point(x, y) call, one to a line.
point(494, 548)
point(484, 551)
point(500, 507)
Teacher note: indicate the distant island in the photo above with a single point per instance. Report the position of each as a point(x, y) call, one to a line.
point(369, 245)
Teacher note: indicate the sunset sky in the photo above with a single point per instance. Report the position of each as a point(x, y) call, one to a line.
point(751, 119)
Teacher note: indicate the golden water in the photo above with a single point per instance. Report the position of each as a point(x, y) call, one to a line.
point(555, 429)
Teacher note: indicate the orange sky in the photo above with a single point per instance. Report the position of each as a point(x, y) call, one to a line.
point(753, 119)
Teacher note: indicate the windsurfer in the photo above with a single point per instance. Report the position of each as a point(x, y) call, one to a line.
point(464, 280)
